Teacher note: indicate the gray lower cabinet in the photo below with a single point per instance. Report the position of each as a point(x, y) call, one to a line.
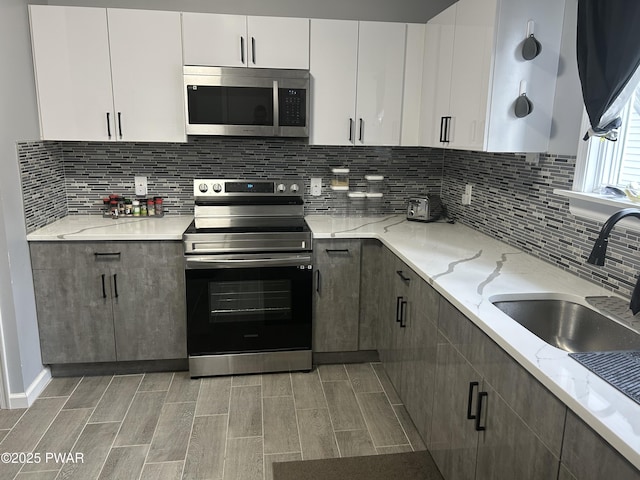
point(587, 456)
point(408, 338)
point(336, 300)
point(373, 292)
point(109, 301)
point(491, 418)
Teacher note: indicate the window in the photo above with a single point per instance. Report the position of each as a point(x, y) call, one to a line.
point(614, 163)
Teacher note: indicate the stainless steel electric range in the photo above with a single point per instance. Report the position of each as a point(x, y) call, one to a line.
point(248, 278)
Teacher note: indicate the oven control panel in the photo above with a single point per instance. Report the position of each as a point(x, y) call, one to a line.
point(219, 187)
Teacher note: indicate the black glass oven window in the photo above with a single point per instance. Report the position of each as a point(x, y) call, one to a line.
point(249, 300)
point(209, 105)
point(292, 104)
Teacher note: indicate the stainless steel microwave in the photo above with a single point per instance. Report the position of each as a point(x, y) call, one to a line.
point(246, 101)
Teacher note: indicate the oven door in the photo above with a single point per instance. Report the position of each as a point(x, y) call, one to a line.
point(248, 303)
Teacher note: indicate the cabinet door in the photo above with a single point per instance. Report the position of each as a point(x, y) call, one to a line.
point(381, 48)
point(436, 76)
point(389, 301)
point(332, 66)
point(470, 72)
point(336, 300)
point(454, 440)
point(401, 279)
point(75, 318)
point(508, 448)
point(587, 456)
point(73, 76)
point(146, 64)
point(214, 40)
point(412, 90)
point(419, 355)
point(278, 42)
point(148, 291)
point(373, 293)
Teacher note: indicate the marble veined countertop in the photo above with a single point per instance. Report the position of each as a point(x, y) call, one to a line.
point(471, 270)
point(95, 227)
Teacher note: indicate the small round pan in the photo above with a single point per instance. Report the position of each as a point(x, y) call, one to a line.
point(531, 48)
point(523, 106)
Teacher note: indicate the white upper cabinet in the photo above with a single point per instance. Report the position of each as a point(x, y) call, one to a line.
point(380, 81)
point(102, 80)
point(334, 63)
point(412, 91)
point(241, 41)
point(356, 105)
point(73, 75)
point(146, 67)
point(214, 40)
point(474, 71)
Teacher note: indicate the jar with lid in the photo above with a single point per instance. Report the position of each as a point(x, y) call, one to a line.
point(143, 207)
point(159, 206)
point(106, 207)
point(151, 207)
point(136, 208)
point(128, 207)
point(340, 180)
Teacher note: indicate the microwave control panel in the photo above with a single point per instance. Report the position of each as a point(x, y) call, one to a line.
point(292, 105)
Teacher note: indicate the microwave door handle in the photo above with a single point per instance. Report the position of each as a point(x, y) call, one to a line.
point(276, 108)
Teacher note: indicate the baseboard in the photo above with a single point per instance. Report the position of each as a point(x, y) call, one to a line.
point(361, 356)
point(119, 368)
point(26, 399)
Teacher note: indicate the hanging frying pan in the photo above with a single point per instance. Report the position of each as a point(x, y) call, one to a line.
point(531, 47)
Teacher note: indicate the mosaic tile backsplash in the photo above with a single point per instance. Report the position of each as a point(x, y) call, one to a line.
point(512, 201)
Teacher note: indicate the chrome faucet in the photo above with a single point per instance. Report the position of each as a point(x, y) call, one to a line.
point(600, 249)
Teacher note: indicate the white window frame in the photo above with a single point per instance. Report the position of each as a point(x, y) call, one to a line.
point(593, 206)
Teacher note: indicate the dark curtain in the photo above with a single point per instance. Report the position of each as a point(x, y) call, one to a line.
point(608, 50)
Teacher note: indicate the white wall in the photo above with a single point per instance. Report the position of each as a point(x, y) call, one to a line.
point(415, 11)
point(21, 359)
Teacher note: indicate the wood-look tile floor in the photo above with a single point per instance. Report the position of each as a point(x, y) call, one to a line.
point(168, 426)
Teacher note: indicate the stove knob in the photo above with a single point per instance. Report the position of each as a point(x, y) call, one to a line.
point(203, 187)
point(294, 188)
point(217, 187)
point(281, 188)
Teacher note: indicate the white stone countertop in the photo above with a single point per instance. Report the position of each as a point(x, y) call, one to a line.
point(95, 227)
point(470, 270)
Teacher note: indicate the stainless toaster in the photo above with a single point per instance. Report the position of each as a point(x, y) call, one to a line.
point(424, 209)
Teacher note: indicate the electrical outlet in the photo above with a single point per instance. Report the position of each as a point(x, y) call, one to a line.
point(466, 196)
point(141, 186)
point(316, 187)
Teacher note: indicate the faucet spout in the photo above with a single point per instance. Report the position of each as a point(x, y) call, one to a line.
point(599, 250)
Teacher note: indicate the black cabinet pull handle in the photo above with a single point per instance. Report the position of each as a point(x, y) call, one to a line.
point(253, 49)
point(447, 124)
point(336, 250)
point(403, 314)
point(442, 137)
point(472, 386)
point(481, 396)
point(350, 129)
point(115, 284)
point(398, 307)
point(318, 282)
point(242, 50)
point(108, 125)
point(360, 130)
point(401, 274)
point(106, 254)
point(104, 291)
point(120, 124)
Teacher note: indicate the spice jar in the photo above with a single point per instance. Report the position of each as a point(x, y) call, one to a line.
point(159, 206)
point(143, 207)
point(114, 209)
point(106, 207)
point(151, 208)
point(128, 207)
point(136, 208)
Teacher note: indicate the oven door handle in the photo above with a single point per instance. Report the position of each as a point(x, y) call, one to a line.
point(275, 261)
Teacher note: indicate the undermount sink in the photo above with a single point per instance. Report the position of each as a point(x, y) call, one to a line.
point(570, 326)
